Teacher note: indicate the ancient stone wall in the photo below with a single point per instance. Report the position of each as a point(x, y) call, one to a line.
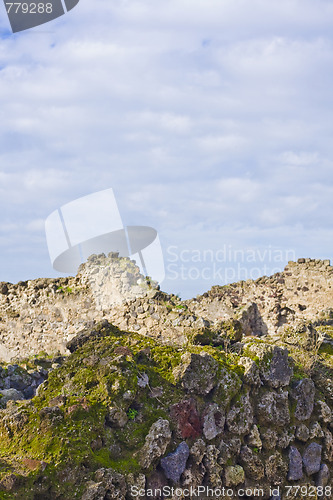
point(44, 314)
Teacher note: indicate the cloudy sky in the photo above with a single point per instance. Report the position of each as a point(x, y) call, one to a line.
point(210, 119)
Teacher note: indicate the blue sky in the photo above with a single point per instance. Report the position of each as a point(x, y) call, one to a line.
point(210, 119)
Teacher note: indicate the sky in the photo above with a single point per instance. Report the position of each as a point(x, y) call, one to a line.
point(211, 120)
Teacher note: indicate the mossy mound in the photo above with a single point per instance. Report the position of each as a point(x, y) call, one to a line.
point(54, 442)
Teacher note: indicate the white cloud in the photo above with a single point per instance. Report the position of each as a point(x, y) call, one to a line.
point(206, 117)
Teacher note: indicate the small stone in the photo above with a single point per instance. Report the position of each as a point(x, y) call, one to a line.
point(323, 476)
point(302, 433)
point(324, 411)
point(156, 443)
point(174, 464)
point(187, 419)
point(253, 438)
point(295, 465)
point(234, 475)
point(213, 422)
point(312, 458)
point(240, 416)
point(304, 393)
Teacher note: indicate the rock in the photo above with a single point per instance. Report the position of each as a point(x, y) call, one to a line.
point(323, 476)
point(135, 483)
point(273, 409)
point(251, 373)
point(10, 395)
point(253, 466)
point(116, 417)
point(295, 472)
point(303, 394)
point(197, 372)
point(234, 475)
point(193, 476)
point(156, 443)
point(286, 437)
point(214, 470)
point(276, 469)
point(156, 482)
point(328, 445)
point(213, 422)
point(186, 418)
point(86, 334)
point(274, 364)
point(312, 458)
point(198, 451)
point(324, 412)
point(174, 464)
point(269, 439)
point(109, 484)
point(302, 433)
point(316, 431)
point(229, 450)
point(240, 417)
point(253, 439)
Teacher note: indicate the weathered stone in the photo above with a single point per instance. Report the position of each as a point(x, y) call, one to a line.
point(269, 438)
point(240, 416)
point(324, 412)
point(312, 458)
point(193, 476)
point(229, 449)
point(156, 443)
point(328, 445)
point(302, 433)
point(174, 464)
point(295, 472)
point(253, 439)
point(274, 364)
point(135, 483)
point(186, 418)
point(10, 395)
point(234, 475)
point(273, 409)
point(251, 373)
point(198, 451)
point(303, 394)
point(323, 476)
point(252, 464)
point(214, 470)
point(286, 437)
point(109, 484)
point(213, 422)
point(197, 372)
point(316, 431)
point(276, 469)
